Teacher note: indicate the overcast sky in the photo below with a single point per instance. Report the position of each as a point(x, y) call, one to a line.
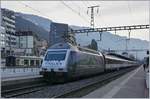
point(111, 13)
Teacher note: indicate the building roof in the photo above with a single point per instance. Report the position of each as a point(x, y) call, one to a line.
point(24, 33)
point(7, 12)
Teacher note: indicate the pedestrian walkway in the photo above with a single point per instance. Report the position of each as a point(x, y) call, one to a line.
point(130, 85)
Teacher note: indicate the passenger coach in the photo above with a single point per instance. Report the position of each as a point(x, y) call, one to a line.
point(23, 61)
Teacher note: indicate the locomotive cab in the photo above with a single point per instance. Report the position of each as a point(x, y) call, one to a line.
point(54, 61)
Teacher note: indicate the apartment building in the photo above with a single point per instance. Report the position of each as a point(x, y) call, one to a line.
point(8, 22)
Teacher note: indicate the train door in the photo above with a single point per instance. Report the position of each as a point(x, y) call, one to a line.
point(72, 63)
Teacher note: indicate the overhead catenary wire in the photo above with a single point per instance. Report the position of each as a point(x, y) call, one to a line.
point(80, 8)
point(84, 8)
point(74, 11)
point(96, 3)
point(129, 31)
point(85, 4)
point(43, 14)
point(92, 3)
point(38, 12)
point(26, 5)
point(130, 11)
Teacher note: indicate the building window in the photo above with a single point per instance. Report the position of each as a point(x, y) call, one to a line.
point(21, 38)
point(21, 45)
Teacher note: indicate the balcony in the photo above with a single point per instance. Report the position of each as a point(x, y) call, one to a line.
point(8, 19)
point(10, 30)
point(9, 25)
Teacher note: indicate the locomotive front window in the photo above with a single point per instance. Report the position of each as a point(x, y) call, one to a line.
point(55, 55)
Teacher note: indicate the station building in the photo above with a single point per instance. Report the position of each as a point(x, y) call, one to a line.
point(28, 43)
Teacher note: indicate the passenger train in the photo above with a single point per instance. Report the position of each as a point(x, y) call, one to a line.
point(65, 61)
point(23, 61)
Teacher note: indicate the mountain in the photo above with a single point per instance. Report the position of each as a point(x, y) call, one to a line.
point(109, 40)
point(114, 42)
point(37, 20)
point(23, 24)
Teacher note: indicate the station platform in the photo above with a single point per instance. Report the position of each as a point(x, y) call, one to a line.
point(15, 78)
point(130, 85)
point(19, 73)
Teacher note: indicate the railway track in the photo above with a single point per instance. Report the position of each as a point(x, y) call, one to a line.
point(85, 89)
point(21, 88)
point(73, 89)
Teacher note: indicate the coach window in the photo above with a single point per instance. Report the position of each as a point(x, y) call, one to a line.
point(21, 62)
point(41, 61)
point(26, 62)
point(17, 62)
point(37, 62)
point(32, 62)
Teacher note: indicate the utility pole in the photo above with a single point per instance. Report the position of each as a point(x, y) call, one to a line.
point(92, 14)
point(127, 40)
point(126, 44)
